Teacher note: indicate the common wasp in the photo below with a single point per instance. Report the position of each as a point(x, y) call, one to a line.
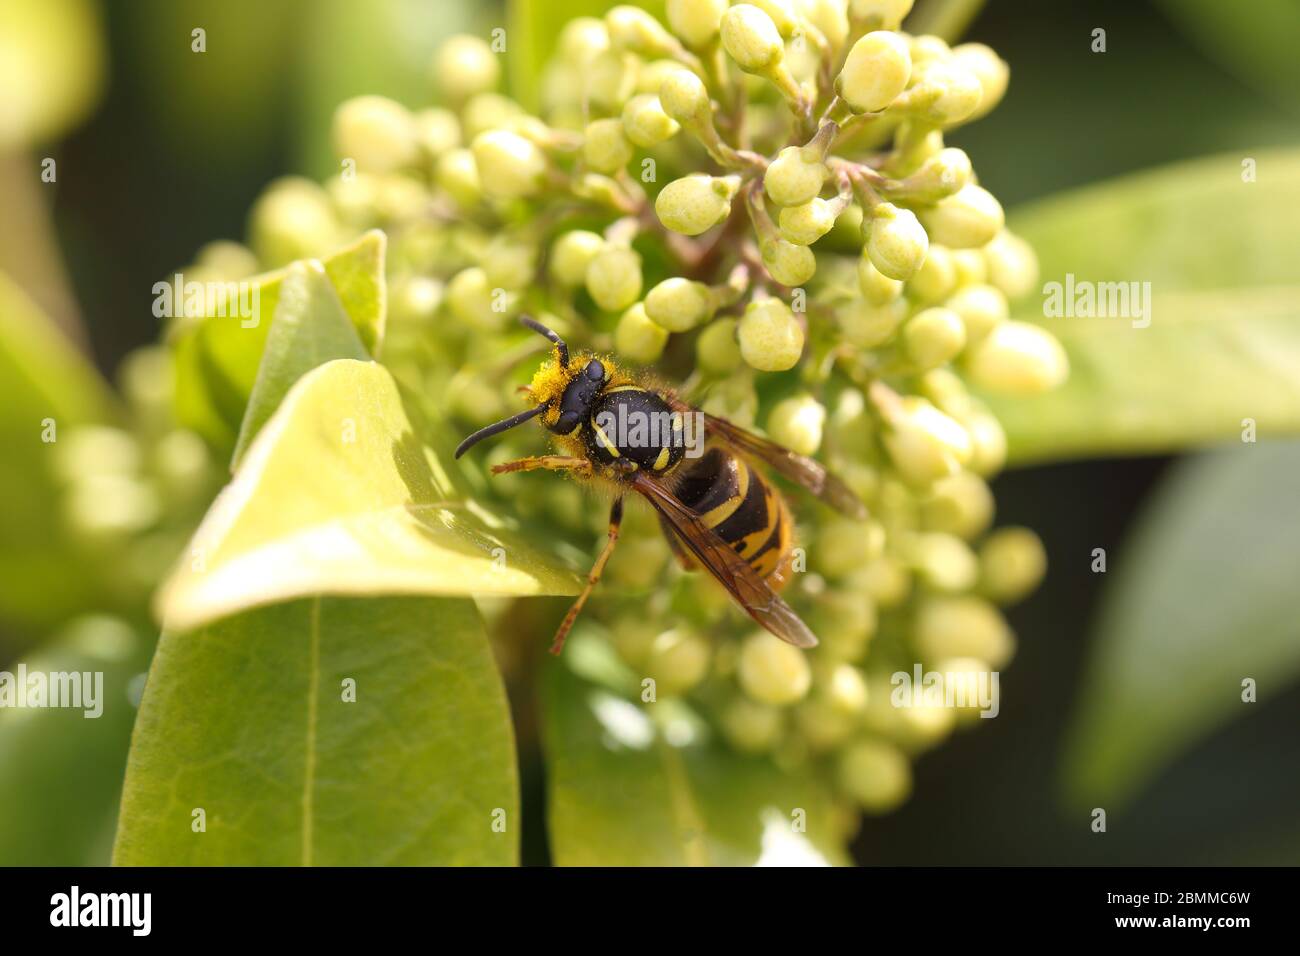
point(717, 507)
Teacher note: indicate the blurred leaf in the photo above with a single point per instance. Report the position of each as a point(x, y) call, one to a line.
point(338, 495)
point(1257, 46)
point(41, 377)
point(249, 720)
point(534, 29)
point(1203, 597)
point(309, 328)
point(48, 819)
point(218, 357)
point(642, 785)
point(1224, 337)
point(51, 68)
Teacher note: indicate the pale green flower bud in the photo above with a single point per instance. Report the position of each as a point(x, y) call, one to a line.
point(1012, 265)
point(751, 727)
point(797, 422)
point(582, 40)
point(509, 264)
point(696, 21)
point(611, 78)
point(787, 263)
point(968, 218)
point(437, 131)
point(645, 123)
point(679, 304)
point(867, 325)
point(830, 17)
point(886, 581)
point(773, 672)
point(292, 219)
point(876, 71)
point(940, 176)
point(877, 288)
point(971, 267)
point(677, 661)
point(805, 224)
point(924, 443)
point(457, 175)
point(488, 111)
point(771, 340)
point(796, 176)
point(631, 28)
point(1012, 563)
point(415, 300)
point(981, 307)
point(696, 203)
point(509, 166)
point(638, 339)
point(845, 689)
point(945, 92)
point(989, 69)
point(614, 279)
point(845, 622)
point(823, 727)
point(885, 14)
point(897, 244)
point(876, 774)
point(988, 444)
point(965, 626)
point(606, 149)
point(927, 47)
point(943, 561)
point(845, 545)
point(464, 66)
point(716, 350)
point(1019, 359)
point(684, 98)
point(571, 253)
point(933, 337)
point(751, 38)
point(960, 504)
point(376, 132)
point(470, 297)
point(937, 277)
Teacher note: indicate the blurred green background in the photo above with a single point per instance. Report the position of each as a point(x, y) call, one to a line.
point(161, 150)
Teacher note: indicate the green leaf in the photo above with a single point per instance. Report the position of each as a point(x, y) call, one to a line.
point(1202, 598)
point(1223, 342)
point(309, 329)
point(249, 720)
point(338, 495)
point(535, 27)
point(47, 819)
point(218, 357)
point(46, 389)
point(644, 785)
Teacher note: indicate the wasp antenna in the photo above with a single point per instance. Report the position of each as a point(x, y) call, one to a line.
point(497, 428)
point(553, 336)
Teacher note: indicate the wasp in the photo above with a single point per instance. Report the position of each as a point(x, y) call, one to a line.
point(718, 509)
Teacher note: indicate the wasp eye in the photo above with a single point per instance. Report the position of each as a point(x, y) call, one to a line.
point(567, 422)
point(595, 370)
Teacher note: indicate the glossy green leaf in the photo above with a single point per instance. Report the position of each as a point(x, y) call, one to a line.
point(48, 820)
point(250, 721)
point(46, 389)
point(339, 495)
point(534, 29)
point(1223, 341)
point(218, 357)
point(309, 329)
point(1202, 598)
point(644, 785)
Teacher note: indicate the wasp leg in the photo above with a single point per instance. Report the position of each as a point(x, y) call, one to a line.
point(549, 462)
point(615, 519)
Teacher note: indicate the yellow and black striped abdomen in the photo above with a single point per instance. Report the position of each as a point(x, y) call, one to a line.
point(742, 507)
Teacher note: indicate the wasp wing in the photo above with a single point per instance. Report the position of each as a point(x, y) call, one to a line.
point(802, 470)
point(732, 571)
